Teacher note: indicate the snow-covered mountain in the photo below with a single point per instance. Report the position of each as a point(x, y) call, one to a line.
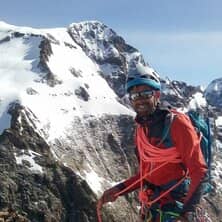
point(66, 127)
point(213, 93)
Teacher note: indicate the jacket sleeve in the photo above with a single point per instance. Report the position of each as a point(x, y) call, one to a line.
point(129, 184)
point(187, 142)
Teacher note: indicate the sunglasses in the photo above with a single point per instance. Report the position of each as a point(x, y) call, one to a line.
point(147, 94)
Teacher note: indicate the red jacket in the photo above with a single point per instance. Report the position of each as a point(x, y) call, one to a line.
point(186, 141)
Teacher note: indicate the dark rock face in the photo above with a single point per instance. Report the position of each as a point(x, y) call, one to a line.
point(104, 145)
point(117, 83)
point(76, 73)
point(6, 39)
point(12, 215)
point(45, 52)
point(56, 194)
point(82, 93)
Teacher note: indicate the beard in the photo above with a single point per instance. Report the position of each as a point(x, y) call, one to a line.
point(144, 109)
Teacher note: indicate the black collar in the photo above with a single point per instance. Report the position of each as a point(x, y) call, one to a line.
point(157, 116)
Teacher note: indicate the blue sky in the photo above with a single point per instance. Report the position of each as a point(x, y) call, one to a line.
point(181, 39)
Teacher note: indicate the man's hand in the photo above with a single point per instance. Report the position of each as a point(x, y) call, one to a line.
point(109, 195)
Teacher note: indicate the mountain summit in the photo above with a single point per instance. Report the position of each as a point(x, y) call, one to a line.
point(65, 123)
point(213, 93)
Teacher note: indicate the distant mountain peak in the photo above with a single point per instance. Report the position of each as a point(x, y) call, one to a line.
point(215, 85)
point(91, 25)
point(213, 93)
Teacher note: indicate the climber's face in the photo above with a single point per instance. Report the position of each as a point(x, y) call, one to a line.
point(143, 99)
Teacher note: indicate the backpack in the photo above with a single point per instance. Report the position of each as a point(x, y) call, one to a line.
point(202, 127)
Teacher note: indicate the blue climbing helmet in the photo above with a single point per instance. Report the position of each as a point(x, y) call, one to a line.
point(139, 74)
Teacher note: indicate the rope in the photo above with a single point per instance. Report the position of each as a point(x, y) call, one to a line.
point(150, 154)
point(98, 212)
point(153, 154)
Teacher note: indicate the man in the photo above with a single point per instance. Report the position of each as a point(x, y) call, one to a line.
point(171, 171)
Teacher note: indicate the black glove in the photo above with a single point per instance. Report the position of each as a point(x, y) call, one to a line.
point(110, 195)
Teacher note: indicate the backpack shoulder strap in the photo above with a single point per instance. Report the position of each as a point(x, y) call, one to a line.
point(166, 138)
